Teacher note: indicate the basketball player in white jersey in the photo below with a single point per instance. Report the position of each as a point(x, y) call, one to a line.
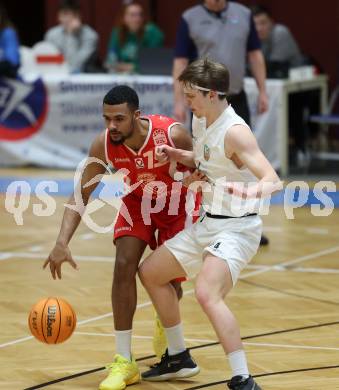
point(226, 237)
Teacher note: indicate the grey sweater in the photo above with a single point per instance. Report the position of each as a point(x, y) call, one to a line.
point(281, 46)
point(77, 48)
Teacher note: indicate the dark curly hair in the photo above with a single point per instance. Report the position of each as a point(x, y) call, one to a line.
point(122, 94)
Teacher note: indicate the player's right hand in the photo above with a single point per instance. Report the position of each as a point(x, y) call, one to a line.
point(163, 153)
point(59, 255)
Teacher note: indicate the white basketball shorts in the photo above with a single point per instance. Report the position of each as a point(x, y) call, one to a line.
point(235, 240)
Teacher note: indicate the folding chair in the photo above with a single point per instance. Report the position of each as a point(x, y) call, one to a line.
point(329, 118)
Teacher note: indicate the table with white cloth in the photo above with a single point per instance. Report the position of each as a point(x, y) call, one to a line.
point(271, 129)
point(55, 128)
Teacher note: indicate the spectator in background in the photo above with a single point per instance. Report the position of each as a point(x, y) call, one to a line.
point(9, 46)
point(131, 33)
point(277, 41)
point(281, 53)
point(76, 41)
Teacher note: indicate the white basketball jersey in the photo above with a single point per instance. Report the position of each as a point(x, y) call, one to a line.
point(209, 153)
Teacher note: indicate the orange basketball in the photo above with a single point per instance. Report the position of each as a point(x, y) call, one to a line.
point(52, 320)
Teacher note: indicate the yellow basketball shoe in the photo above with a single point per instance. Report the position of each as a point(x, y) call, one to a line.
point(122, 373)
point(159, 338)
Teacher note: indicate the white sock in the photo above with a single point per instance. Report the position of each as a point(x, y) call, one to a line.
point(238, 363)
point(123, 340)
point(175, 339)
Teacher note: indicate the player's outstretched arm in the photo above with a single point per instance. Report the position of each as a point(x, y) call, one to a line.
point(73, 211)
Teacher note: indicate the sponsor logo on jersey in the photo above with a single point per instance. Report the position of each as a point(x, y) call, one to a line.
point(145, 178)
point(23, 108)
point(121, 159)
point(139, 163)
point(123, 228)
point(159, 137)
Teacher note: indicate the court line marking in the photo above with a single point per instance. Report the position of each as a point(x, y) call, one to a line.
point(292, 262)
point(65, 378)
point(87, 236)
point(139, 337)
point(260, 267)
point(324, 348)
point(104, 259)
point(30, 255)
point(35, 249)
point(315, 230)
point(315, 270)
point(92, 319)
point(290, 293)
point(211, 384)
point(296, 269)
point(290, 346)
point(273, 229)
point(77, 375)
point(27, 245)
point(17, 341)
point(322, 231)
point(286, 263)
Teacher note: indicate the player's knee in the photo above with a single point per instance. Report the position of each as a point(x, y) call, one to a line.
point(204, 296)
point(146, 274)
point(125, 269)
point(143, 276)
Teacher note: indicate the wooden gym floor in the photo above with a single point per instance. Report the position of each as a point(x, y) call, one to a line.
point(287, 303)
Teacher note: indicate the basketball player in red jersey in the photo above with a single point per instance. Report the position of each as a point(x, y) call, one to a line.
point(129, 142)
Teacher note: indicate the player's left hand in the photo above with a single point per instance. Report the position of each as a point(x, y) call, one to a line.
point(59, 255)
point(196, 176)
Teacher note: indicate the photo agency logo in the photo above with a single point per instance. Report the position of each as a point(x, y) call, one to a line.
point(23, 108)
point(110, 192)
point(19, 194)
point(107, 195)
point(116, 184)
point(153, 196)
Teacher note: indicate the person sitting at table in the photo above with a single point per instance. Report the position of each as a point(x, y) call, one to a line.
point(281, 53)
point(76, 41)
point(9, 46)
point(131, 34)
point(277, 42)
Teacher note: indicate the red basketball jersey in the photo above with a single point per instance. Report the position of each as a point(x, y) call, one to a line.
point(142, 166)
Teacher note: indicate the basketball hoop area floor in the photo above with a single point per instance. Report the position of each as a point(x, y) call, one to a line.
point(287, 304)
